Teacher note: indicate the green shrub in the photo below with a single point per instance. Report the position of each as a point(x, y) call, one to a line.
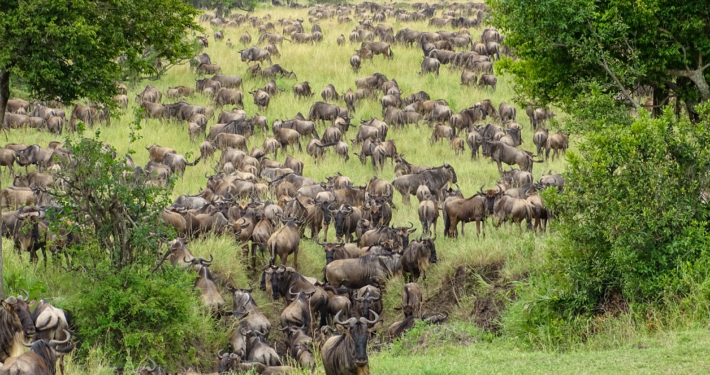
point(137, 314)
point(631, 213)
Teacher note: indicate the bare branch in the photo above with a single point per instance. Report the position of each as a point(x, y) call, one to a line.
point(618, 83)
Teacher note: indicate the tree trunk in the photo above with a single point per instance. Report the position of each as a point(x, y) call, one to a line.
point(4, 97)
point(659, 98)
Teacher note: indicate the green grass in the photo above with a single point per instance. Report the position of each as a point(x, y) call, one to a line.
point(520, 254)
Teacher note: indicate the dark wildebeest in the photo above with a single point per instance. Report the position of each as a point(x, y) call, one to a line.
point(416, 258)
point(346, 354)
point(435, 178)
point(355, 63)
point(321, 111)
point(378, 48)
point(374, 81)
point(503, 153)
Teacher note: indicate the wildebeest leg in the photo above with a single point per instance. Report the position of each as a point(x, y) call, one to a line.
point(424, 226)
point(500, 167)
point(478, 229)
point(295, 259)
point(462, 223)
point(253, 255)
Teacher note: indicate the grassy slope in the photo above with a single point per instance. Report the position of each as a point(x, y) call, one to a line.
point(322, 64)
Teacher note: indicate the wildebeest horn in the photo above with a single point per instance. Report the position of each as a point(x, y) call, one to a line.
point(365, 321)
point(191, 261)
point(290, 291)
point(155, 366)
point(26, 298)
point(28, 344)
point(348, 322)
point(58, 342)
point(410, 225)
point(282, 329)
point(219, 354)
point(481, 189)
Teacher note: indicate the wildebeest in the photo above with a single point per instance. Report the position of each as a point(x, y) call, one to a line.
point(558, 143)
point(329, 93)
point(346, 354)
point(488, 80)
point(416, 258)
point(40, 360)
point(227, 96)
point(515, 209)
point(261, 99)
point(245, 38)
point(462, 210)
point(285, 242)
point(355, 63)
point(158, 152)
point(428, 215)
point(430, 65)
point(208, 69)
point(378, 48)
point(321, 111)
point(540, 140)
point(503, 153)
point(507, 112)
point(209, 292)
point(15, 324)
point(255, 54)
point(302, 89)
point(411, 300)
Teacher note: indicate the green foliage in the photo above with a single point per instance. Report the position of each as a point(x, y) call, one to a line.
point(122, 211)
point(567, 46)
point(137, 313)
point(631, 218)
point(69, 49)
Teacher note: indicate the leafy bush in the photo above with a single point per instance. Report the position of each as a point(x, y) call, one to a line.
point(137, 314)
point(631, 214)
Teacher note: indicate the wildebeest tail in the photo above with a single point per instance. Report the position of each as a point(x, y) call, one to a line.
point(447, 221)
point(311, 113)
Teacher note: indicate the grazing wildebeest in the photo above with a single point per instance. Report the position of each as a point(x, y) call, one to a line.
point(430, 65)
point(503, 153)
point(557, 142)
point(462, 210)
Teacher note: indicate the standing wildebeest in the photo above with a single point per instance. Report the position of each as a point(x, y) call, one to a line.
point(284, 242)
point(503, 153)
point(462, 210)
point(488, 80)
point(245, 38)
point(416, 258)
point(515, 209)
point(228, 81)
point(378, 48)
point(430, 65)
point(557, 142)
point(435, 178)
point(326, 112)
point(261, 99)
point(374, 81)
point(346, 354)
point(540, 140)
point(255, 54)
point(229, 96)
point(158, 152)
point(411, 300)
point(302, 89)
point(428, 215)
point(208, 69)
point(507, 112)
point(468, 78)
point(329, 93)
point(355, 63)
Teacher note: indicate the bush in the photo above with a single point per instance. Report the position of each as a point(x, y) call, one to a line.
point(137, 314)
point(631, 214)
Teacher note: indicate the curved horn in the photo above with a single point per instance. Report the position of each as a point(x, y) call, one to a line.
point(290, 291)
point(57, 342)
point(27, 344)
point(410, 225)
point(219, 354)
point(348, 322)
point(27, 296)
point(365, 321)
point(155, 366)
point(481, 189)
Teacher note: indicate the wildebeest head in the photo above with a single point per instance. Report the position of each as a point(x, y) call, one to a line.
point(491, 196)
point(228, 362)
point(339, 216)
point(330, 248)
point(429, 243)
point(365, 299)
point(358, 331)
point(242, 300)
point(450, 169)
point(404, 232)
point(374, 209)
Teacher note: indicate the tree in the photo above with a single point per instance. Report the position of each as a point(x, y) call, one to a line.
point(633, 216)
point(564, 46)
point(104, 201)
point(224, 7)
point(70, 49)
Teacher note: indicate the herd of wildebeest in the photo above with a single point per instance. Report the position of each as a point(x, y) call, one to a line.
point(268, 205)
